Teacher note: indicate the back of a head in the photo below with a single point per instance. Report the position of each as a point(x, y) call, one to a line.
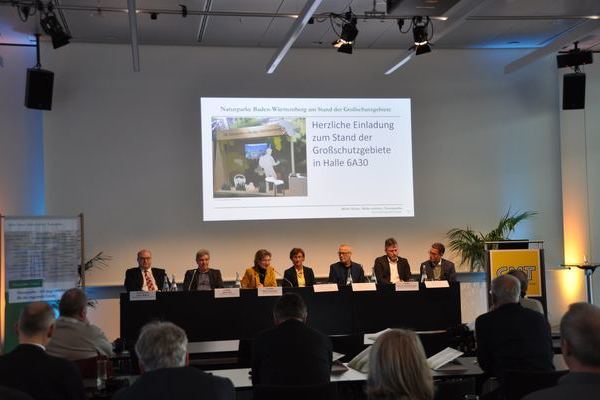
point(398, 368)
point(522, 277)
point(290, 306)
point(161, 345)
point(506, 289)
point(580, 328)
point(72, 303)
point(35, 319)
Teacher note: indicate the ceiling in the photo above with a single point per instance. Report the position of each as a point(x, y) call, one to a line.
point(534, 24)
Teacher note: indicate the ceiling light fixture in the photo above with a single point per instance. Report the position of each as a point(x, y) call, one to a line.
point(345, 41)
point(52, 27)
point(421, 35)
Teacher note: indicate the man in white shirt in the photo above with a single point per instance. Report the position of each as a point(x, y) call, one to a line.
point(74, 337)
point(391, 268)
point(144, 277)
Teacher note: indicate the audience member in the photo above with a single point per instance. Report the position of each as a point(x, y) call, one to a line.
point(438, 268)
point(162, 354)
point(13, 394)
point(510, 337)
point(298, 275)
point(398, 368)
point(391, 268)
point(525, 301)
point(144, 277)
point(203, 277)
point(580, 342)
point(291, 353)
point(74, 338)
point(346, 271)
point(262, 274)
point(29, 369)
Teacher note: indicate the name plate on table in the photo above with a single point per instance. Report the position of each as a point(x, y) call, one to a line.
point(226, 293)
point(436, 284)
point(270, 291)
point(325, 287)
point(142, 296)
point(364, 287)
point(407, 286)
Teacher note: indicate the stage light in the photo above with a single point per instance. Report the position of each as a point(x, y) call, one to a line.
point(52, 27)
point(345, 42)
point(421, 35)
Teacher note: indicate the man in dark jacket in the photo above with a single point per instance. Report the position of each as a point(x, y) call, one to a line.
point(144, 277)
point(391, 268)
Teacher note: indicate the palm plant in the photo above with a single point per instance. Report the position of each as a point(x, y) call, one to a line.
point(470, 245)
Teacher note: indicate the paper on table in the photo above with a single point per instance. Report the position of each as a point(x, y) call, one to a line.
point(371, 338)
point(336, 356)
point(361, 361)
point(442, 358)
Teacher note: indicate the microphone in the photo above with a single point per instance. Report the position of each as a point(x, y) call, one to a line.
point(284, 278)
point(192, 280)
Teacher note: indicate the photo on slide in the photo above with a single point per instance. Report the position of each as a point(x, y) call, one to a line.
point(259, 157)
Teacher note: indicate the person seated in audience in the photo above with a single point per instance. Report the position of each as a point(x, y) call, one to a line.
point(162, 354)
point(341, 271)
point(74, 338)
point(144, 277)
point(398, 368)
point(510, 337)
point(29, 369)
point(291, 353)
point(203, 277)
point(298, 275)
point(580, 343)
point(390, 268)
point(438, 268)
point(262, 274)
point(13, 394)
point(526, 302)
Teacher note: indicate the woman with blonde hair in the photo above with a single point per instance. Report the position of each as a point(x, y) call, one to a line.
point(262, 274)
point(398, 368)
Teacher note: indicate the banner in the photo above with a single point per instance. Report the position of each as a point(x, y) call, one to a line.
point(528, 261)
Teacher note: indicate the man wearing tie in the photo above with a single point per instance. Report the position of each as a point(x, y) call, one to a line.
point(438, 268)
point(144, 277)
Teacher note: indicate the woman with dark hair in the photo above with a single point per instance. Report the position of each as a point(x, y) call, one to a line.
point(262, 274)
point(298, 275)
point(398, 368)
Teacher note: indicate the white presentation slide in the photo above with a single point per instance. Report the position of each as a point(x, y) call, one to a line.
point(272, 158)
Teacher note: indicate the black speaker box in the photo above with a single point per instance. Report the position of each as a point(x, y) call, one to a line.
point(574, 58)
point(38, 90)
point(574, 91)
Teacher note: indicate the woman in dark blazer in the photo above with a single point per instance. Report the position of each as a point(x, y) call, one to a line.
point(192, 276)
point(298, 275)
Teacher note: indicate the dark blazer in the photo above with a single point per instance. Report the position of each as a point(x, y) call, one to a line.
point(513, 337)
point(574, 385)
point(289, 276)
point(13, 394)
point(291, 354)
point(338, 273)
point(448, 270)
point(190, 281)
point(382, 271)
point(135, 281)
point(181, 383)
point(29, 369)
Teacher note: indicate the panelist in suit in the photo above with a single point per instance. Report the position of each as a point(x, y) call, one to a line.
point(510, 337)
point(262, 274)
point(165, 374)
point(291, 353)
point(298, 275)
point(29, 369)
point(144, 277)
point(203, 277)
point(438, 268)
point(338, 272)
point(391, 268)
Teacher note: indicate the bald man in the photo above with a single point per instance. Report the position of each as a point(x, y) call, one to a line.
point(338, 272)
point(144, 277)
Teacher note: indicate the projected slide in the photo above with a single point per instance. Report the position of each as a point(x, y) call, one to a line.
point(306, 158)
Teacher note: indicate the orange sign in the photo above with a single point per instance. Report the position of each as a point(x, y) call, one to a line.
point(528, 261)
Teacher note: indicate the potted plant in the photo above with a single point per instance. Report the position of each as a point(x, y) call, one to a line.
point(470, 245)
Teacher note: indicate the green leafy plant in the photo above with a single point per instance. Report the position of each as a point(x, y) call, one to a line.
point(470, 245)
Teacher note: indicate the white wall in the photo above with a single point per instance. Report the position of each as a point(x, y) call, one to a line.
point(124, 149)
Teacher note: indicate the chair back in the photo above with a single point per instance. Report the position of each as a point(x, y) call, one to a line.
point(517, 384)
point(454, 389)
point(88, 367)
point(326, 391)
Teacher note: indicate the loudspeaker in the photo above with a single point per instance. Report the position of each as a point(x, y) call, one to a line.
point(38, 90)
point(574, 91)
point(574, 58)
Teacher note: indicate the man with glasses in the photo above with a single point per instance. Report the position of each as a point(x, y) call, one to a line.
point(438, 268)
point(144, 277)
point(345, 271)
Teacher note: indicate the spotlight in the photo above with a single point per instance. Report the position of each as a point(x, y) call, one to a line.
point(345, 43)
point(52, 27)
point(153, 16)
point(421, 35)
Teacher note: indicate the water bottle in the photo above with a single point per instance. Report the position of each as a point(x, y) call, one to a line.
point(237, 280)
point(373, 276)
point(166, 286)
point(423, 274)
point(173, 283)
point(349, 278)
